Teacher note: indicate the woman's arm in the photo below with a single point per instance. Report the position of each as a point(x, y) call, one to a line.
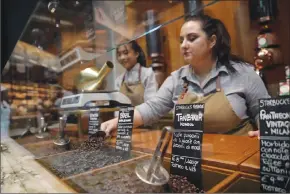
point(255, 90)
point(149, 111)
point(112, 124)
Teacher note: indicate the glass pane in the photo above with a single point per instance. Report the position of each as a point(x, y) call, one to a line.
point(64, 39)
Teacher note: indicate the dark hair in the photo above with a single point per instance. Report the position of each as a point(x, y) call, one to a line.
point(222, 48)
point(136, 47)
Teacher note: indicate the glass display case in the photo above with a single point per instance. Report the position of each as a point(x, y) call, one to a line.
point(67, 64)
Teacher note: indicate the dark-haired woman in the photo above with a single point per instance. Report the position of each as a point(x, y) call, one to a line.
point(138, 82)
point(228, 86)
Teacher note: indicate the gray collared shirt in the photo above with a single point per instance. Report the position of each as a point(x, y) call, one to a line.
point(242, 88)
point(147, 79)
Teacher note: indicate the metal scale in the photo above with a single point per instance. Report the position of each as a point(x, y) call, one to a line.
point(90, 83)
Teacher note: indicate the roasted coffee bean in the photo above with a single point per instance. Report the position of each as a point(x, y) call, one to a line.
point(76, 162)
point(180, 184)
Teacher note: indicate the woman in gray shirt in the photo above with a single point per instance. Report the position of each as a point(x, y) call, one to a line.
point(228, 86)
point(138, 82)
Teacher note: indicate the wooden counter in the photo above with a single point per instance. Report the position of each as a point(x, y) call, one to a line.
point(20, 173)
point(224, 151)
point(252, 164)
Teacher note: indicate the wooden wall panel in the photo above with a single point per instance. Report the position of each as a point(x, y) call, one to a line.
point(171, 32)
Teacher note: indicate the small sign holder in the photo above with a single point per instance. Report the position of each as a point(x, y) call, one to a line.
point(94, 121)
point(187, 142)
point(274, 118)
point(124, 131)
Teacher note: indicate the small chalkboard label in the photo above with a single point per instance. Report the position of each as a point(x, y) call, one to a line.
point(124, 131)
point(94, 121)
point(274, 117)
point(187, 142)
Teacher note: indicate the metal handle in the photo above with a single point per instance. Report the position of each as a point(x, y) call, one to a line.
point(42, 123)
point(158, 155)
point(62, 123)
point(151, 171)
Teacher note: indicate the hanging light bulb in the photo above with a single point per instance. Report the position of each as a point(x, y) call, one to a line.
point(52, 6)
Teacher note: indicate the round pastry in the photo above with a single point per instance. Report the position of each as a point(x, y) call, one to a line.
point(22, 110)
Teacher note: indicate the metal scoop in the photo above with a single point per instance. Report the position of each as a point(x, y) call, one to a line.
point(62, 139)
point(151, 171)
point(42, 131)
point(99, 134)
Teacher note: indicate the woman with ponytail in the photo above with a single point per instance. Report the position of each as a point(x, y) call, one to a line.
point(138, 82)
point(228, 87)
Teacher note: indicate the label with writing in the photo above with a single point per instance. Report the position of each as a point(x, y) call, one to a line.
point(187, 142)
point(124, 131)
point(94, 122)
point(274, 116)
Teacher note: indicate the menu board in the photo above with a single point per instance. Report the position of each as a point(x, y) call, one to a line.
point(94, 122)
point(274, 115)
point(187, 142)
point(124, 131)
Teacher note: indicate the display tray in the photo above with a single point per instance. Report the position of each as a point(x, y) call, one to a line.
point(122, 179)
point(251, 165)
point(31, 139)
point(47, 148)
point(244, 183)
point(79, 161)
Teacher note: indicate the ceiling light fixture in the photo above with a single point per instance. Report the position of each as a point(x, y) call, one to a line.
point(52, 5)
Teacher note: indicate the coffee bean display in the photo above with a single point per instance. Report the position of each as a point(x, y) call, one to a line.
point(180, 184)
point(30, 139)
point(91, 154)
point(47, 149)
point(121, 179)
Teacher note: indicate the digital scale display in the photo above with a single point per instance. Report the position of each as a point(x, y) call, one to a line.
point(72, 100)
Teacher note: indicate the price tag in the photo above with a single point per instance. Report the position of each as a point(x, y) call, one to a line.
point(94, 121)
point(187, 142)
point(124, 131)
point(274, 115)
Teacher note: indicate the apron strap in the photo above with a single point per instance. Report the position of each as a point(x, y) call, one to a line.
point(217, 89)
point(218, 84)
point(139, 76)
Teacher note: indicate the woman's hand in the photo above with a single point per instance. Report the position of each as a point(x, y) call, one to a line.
point(102, 18)
point(254, 134)
point(109, 126)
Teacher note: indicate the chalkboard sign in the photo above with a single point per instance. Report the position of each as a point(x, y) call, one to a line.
point(187, 142)
point(94, 122)
point(274, 115)
point(124, 131)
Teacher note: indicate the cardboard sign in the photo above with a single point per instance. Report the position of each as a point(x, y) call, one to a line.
point(94, 122)
point(187, 142)
point(124, 131)
point(274, 115)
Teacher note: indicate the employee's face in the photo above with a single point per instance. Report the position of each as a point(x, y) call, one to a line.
point(195, 46)
point(127, 56)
